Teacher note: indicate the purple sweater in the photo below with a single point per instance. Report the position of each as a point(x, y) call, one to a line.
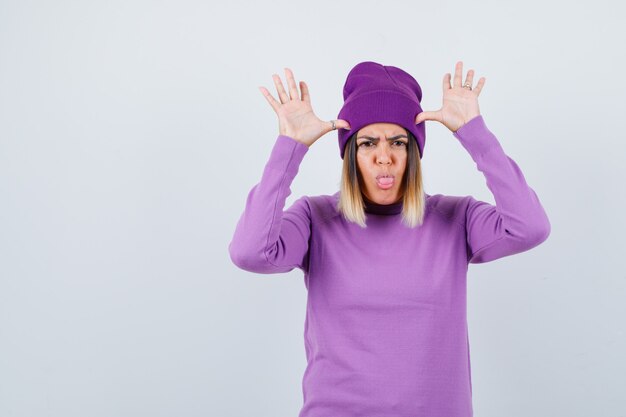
point(385, 332)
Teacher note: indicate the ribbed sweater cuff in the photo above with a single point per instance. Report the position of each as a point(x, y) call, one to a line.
point(476, 138)
point(287, 154)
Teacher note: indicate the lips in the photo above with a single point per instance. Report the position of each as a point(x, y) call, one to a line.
point(385, 181)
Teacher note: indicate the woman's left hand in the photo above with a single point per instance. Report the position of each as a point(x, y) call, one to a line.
point(460, 104)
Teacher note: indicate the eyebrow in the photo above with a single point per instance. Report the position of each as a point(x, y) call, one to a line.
point(376, 139)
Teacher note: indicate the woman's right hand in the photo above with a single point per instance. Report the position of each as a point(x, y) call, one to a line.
point(295, 115)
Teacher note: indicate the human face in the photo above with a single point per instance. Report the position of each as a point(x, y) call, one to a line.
point(382, 151)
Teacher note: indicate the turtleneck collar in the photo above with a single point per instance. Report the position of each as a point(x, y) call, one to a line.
point(383, 209)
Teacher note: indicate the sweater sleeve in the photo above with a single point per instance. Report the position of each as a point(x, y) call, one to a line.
point(268, 240)
point(518, 221)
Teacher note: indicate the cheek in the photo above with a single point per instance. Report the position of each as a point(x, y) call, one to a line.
point(402, 164)
point(361, 163)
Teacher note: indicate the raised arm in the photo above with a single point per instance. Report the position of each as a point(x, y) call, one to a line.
point(268, 239)
point(518, 221)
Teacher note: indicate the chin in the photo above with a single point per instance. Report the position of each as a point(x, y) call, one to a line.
point(384, 196)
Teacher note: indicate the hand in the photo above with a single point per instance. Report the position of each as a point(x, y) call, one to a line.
point(460, 104)
point(295, 115)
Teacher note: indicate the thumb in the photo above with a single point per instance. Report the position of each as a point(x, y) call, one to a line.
point(342, 124)
point(425, 115)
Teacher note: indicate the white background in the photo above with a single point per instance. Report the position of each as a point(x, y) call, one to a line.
point(132, 131)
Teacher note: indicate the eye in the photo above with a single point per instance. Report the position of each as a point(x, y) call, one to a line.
point(402, 143)
point(366, 143)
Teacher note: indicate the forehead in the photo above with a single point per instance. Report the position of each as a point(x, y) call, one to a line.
point(377, 129)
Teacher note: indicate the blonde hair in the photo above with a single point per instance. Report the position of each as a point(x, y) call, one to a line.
point(351, 203)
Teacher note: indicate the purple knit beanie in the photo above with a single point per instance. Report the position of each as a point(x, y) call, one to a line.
point(375, 93)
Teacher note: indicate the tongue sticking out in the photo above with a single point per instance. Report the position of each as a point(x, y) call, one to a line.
point(385, 183)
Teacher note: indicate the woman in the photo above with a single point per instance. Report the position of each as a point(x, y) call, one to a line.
point(385, 264)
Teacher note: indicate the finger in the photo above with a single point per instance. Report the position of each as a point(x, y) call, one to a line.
point(329, 125)
point(306, 95)
point(279, 88)
point(426, 115)
point(342, 124)
point(458, 73)
point(291, 82)
point(446, 81)
point(470, 78)
point(270, 99)
point(479, 86)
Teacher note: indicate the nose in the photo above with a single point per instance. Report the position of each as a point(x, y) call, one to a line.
point(383, 156)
